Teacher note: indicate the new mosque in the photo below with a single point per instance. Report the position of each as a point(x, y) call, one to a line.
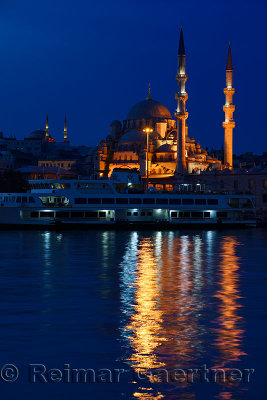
point(156, 143)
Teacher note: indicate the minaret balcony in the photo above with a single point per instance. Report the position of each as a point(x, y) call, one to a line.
point(229, 108)
point(228, 90)
point(181, 115)
point(181, 96)
point(228, 124)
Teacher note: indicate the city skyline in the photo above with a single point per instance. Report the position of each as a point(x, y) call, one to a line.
point(56, 62)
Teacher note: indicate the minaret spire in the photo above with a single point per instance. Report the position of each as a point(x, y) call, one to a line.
point(65, 130)
point(47, 129)
point(149, 92)
point(181, 114)
point(229, 64)
point(229, 109)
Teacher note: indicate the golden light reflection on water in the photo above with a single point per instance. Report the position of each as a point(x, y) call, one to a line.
point(229, 334)
point(168, 286)
point(145, 327)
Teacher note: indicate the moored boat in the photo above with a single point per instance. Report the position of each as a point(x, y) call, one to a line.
point(89, 203)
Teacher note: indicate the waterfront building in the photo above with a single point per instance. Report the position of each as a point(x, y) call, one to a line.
point(38, 142)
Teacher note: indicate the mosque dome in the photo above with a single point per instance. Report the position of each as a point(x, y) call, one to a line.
point(116, 123)
point(149, 109)
point(133, 136)
point(166, 148)
point(39, 134)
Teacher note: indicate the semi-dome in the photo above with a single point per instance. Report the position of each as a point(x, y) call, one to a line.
point(39, 134)
point(166, 148)
point(133, 136)
point(149, 109)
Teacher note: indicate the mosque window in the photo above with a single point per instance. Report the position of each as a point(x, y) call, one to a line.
point(250, 183)
point(265, 183)
point(158, 186)
point(169, 188)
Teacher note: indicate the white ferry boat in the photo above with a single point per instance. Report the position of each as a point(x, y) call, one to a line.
point(79, 203)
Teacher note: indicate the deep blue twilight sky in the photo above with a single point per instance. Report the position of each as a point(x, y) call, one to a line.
point(93, 60)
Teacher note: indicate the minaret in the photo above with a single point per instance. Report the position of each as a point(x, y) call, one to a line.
point(229, 109)
point(65, 130)
point(181, 114)
point(149, 92)
point(46, 129)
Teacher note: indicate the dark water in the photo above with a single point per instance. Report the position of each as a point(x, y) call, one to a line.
point(137, 301)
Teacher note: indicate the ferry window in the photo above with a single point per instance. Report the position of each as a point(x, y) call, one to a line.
point(34, 214)
point(213, 201)
point(197, 214)
point(200, 201)
point(76, 214)
point(31, 199)
point(135, 201)
point(93, 201)
point(107, 201)
point(102, 214)
point(80, 200)
point(149, 214)
point(91, 214)
point(161, 201)
point(18, 199)
point(24, 199)
point(47, 214)
point(184, 214)
point(129, 213)
point(143, 213)
point(121, 201)
point(206, 214)
point(148, 201)
point(188, 201)
point(175, 201)
point(62, 214)
point(174, 214)
point(65, 185)
point(135, 213)
point(221, 214)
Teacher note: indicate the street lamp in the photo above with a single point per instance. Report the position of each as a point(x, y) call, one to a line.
point(147, 131)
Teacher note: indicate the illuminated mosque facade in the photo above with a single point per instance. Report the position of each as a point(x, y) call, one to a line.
point(156, 143)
